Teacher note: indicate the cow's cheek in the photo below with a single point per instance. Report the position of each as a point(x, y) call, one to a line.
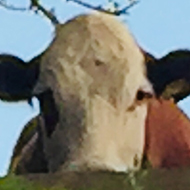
point(167, 142)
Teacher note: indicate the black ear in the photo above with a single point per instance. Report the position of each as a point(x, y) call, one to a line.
point(170, 75)
point(17, 78)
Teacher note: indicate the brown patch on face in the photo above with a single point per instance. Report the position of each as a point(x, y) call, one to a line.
point(167, 141)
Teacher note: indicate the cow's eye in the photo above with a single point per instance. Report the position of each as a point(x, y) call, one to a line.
point(141, 95)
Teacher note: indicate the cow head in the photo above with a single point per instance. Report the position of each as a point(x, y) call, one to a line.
point(96, 71)
point(95, 76)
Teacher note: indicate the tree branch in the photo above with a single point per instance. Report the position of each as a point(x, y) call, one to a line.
point(33, 4)
point(11, 7)
point(47, 13)
point(117, 12)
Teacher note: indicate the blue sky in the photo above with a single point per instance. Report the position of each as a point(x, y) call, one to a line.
point(158, 27)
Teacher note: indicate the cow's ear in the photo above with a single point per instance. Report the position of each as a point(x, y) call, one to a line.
point(17, 78)
point(170, 75)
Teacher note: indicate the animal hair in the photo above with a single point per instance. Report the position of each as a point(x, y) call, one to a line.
point(95, 69)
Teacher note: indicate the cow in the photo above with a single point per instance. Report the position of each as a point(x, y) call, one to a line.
point(96, 99)
point(95, 75)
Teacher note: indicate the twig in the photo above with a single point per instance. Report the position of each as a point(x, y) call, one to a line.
point(48, 14)
point(99, 8)
point(34, 4)
point(11, 7)
point(126, 8)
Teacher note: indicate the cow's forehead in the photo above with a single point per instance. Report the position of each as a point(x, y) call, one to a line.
point(99, 50)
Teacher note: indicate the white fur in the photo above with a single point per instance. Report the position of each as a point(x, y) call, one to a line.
point(95, 67)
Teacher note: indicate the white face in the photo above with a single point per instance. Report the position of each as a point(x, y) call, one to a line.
point(95, 63)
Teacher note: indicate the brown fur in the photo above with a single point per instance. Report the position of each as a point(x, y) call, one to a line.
point(167, 135)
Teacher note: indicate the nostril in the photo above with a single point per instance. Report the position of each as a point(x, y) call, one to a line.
point(98, 63)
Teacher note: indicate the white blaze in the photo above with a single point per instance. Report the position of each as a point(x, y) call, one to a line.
point(95, 60)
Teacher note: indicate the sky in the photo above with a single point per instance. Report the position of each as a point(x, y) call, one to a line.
point(158, 27)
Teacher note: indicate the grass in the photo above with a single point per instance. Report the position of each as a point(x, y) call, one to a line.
point(177, 179)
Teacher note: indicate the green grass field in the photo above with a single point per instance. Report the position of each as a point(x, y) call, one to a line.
point(176, 179)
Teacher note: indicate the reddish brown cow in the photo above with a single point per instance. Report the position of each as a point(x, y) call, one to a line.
point(167, 135)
